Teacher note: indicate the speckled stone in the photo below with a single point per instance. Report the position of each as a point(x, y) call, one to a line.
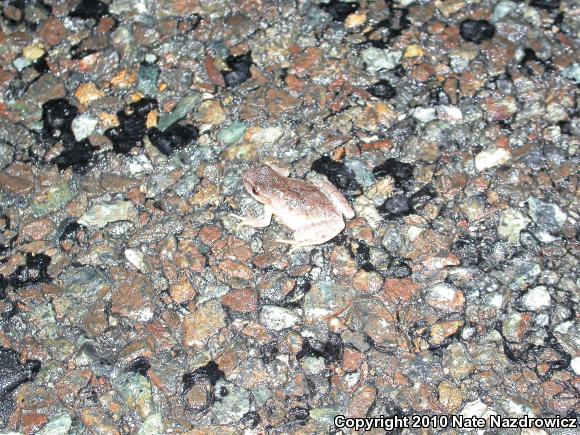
point(102, 214)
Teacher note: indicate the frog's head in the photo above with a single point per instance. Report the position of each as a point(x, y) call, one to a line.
point(261, 183)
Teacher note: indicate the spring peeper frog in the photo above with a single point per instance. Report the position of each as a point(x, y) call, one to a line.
point(313, 210)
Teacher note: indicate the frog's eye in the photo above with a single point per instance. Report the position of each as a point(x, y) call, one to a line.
point(255, 191)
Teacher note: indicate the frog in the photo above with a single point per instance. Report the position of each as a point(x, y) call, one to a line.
point(315, 210)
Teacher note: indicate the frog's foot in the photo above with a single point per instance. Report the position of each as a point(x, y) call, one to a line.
point(256, 222)
point(280, 170)
point(294, 245)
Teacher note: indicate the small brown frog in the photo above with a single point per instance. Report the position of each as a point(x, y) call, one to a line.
point(313, 210)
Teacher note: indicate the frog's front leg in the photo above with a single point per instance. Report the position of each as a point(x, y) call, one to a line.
point(256, 222)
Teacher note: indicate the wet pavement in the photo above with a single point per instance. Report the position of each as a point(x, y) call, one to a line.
point(133, 302)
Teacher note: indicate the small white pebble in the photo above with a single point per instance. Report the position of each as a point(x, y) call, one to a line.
point(537, 299)
point(575, 364)
point(491, 157)
point(136, 258)
point(424, 114)
point(449, 114)
point(83, 126)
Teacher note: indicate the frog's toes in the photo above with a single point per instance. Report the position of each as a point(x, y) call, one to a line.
point(294, 245)
point(240, 219)
point(244, 221)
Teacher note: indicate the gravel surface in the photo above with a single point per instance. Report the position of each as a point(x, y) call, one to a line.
point(133, 302)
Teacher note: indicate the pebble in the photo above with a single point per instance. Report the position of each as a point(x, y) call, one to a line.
point(450, 396)
point(362, 173)
point(232, 134)
point(239, 70)
point(445, 297)
point(500, 109)
point(182, 291)
point(86, 93)
point(424, 114)
point(515, 326)
point(100, 215)
point(312, 365)
point(147, 79)
point(546, 215)
point(392, 241)
point(575, 364)
point(477, 409)
point(174, 137)
point(502, 9)
point(6, 154)
point(135, 390)
point(396, 206)
point(537, 299)
point(133, 297)
point(184, 106)
point(491, 158)
point(186, 185)
point(96, 420)
point(449, 114)
point(459, 361)
point(137, 259)
point(355, 20)
point(39, 229)
point(17, 179)
point(203, 323)
point(83, 126)
point(572, 72)
point(473, 207)
point(232, 404)
point(323, 300)
point(380, 59)
point(241, 301)
point(476, 30)
point(383, 90)
point(33, 52)
point(210, 114)
point(51, 199)
point(413, 50)
point(377, 322)
point(381, 190)
point(367, 282)
point(511, 224)
point(263, 136)
point(59, 425)
point(278, 318)
point(152, 425)
point(45, 88)
point(158, 184)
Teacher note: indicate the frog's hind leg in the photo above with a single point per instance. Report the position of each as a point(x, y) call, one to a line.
point(314, 234)
point(334, 195)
